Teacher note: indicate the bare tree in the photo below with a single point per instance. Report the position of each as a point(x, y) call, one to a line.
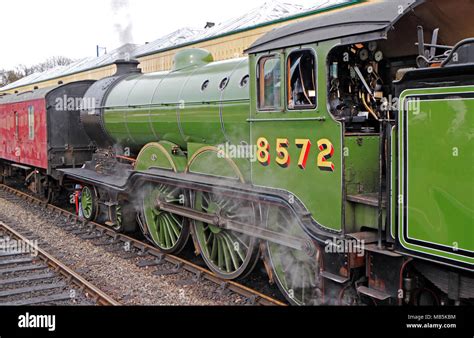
point(25, 70)
point(52, 62)
point(20, 71)
point(3, 79)
point(9, 76)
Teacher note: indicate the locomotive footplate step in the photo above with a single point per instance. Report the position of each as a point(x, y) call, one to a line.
point(366, 237)
point(334, 278)
point(367, 199)
point(373, 293)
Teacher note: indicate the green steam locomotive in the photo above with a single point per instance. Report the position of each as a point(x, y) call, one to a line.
point(337, 153)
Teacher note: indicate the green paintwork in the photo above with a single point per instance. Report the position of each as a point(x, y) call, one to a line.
point(166, 229)
point(191, 57)
point(206, 160)
point(87, 201)
point(393, 188)
point(361, 154)
point(172, 106)
point(360, 215)
point(160, 155)
point(228, 253)
point(440, 184)
point(319, 190)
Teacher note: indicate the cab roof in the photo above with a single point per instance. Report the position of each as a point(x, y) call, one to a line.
point(361, 18)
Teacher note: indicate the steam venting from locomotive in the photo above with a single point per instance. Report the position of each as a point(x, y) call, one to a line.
point(124, 24)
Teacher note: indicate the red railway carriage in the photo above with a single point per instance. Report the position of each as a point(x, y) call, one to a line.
point(40, 131)
point(23, 131)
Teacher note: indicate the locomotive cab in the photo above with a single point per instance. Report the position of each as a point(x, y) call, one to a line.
point(364, 72)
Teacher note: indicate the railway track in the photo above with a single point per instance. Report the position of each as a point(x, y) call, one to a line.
point(31, 276)
point(147, 256)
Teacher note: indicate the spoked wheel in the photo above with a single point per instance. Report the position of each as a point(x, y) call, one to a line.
point(125, 218)
point(294, 271)
point(227, 253)
point(119, 218)
point(168, 232)
point(89, 203)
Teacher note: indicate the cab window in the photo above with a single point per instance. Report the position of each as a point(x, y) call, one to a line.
point(269, 83)
point(301, 80)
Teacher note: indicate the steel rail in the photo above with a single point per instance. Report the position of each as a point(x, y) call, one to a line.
point(100, 297)
point(254, 296)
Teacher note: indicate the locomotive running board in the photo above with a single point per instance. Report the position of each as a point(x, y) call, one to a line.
point(125, 185)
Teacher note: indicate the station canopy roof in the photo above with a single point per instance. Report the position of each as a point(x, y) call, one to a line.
point(269, 12)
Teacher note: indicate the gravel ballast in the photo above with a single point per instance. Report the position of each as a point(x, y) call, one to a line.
point(121, 278)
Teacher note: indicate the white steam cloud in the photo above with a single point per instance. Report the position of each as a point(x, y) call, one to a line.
point(123, 20)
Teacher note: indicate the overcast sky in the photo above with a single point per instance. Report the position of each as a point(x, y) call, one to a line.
point(33, 30)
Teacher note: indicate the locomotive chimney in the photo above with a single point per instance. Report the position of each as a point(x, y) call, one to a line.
point(127, 67)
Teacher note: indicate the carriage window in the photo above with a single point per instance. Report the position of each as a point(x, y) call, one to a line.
point(31, 123)
point(17, 125)
point(301, 80)
point(269, 83)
